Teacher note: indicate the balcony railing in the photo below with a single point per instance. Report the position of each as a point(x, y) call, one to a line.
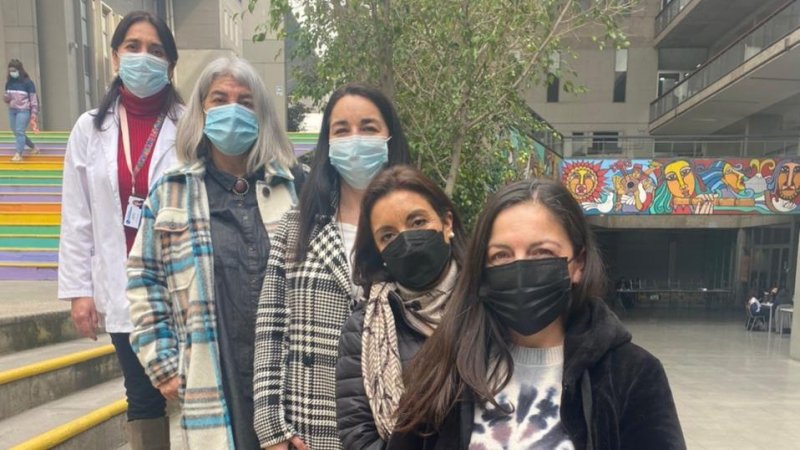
point(547, 135)
point(681, 146)
point(669, 13)
point(771, 30)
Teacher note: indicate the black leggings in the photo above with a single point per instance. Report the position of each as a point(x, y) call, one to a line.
point(144, 401)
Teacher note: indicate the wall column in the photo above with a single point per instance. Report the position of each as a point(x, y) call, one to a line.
point(794, 344)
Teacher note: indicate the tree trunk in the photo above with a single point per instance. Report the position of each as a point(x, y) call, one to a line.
point(455, 164)
point(386, 51)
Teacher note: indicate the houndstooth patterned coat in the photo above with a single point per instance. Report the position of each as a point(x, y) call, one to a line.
point(301, 311)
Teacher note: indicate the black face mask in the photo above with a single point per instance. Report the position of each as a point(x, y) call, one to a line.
point(527, 295)
point(416, 258)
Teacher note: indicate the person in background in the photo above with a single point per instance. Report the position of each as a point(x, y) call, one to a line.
point(527, 354)
point(196, 270)
point(409, 247)
point(23, 107)
point(308, 289)
point(114, 155)
point(782, 296)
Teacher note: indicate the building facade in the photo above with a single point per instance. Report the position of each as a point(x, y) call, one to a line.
point(685, 151)
point(65, 46)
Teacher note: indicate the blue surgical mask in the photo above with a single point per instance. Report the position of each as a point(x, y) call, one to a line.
point(232, 128)
point(14, 74)
point(143, 74)
point(358, 158)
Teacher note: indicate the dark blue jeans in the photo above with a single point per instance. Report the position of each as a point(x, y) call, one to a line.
point(144, 401)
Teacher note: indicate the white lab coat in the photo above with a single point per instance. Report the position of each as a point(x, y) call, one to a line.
point(92, 252)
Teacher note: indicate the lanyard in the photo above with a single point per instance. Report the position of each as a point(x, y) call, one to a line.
point(148, 145)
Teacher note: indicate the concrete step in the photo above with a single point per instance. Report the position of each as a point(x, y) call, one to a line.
point(37, 376)
point(91, 419)
point(29, 181)
point(22, 188)
point(21, 331)
point(28, 243)
point(18, 218)
point(44, 150)
point(29, 163)
point(29, 255)
point(16, 272)
point(29, 197)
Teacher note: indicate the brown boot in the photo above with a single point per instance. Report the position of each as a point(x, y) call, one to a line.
point(148, 434)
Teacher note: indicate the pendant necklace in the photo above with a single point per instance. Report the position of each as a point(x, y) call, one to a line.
point(241, 187)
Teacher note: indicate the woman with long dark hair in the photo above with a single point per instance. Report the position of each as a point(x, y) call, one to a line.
point(528, 355)
point(308, 289)
point(23, 106)
point(409, 247)
point(115, 154)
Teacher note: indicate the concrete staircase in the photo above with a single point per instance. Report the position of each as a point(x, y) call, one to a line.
point(30, 208)
point(58, 390)
point(30, 204)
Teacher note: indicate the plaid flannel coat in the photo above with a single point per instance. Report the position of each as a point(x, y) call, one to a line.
point(301, 312)
point(171, 295)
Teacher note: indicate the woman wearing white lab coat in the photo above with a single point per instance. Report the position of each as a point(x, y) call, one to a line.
point(114, 154)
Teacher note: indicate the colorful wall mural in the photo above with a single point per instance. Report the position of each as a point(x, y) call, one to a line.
point(540, 162)
point(684, 186)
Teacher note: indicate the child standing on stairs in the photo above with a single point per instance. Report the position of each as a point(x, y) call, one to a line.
point(115, 154)
point(23, 106)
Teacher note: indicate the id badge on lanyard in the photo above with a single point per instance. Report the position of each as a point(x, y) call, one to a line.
point(133, 213)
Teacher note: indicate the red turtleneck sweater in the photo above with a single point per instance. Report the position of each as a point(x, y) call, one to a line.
point(142, 114)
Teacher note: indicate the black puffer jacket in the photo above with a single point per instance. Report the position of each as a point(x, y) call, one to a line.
point(353, 414)
point(613, 388)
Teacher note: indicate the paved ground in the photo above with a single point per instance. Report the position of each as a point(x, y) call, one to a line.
point(734, 389)
point(24, 298)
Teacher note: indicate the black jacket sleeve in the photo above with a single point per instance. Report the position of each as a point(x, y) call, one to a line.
point(357, 429)
point(649, 418)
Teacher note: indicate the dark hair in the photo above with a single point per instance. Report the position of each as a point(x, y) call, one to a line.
point(17, 64)
point(459, 356)
point(172, 97)
point(368, 264)
point(321, 188)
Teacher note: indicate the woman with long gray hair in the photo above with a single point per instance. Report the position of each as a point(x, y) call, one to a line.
point(196, 269)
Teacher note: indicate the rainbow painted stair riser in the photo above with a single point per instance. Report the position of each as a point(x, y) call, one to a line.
point(30, 199)
point(30, 208)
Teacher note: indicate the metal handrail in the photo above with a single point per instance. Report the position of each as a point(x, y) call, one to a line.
point(683, 146)
point(669, 13)
point(769, 31)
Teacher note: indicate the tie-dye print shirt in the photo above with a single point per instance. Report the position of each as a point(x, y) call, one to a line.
point(535, 394)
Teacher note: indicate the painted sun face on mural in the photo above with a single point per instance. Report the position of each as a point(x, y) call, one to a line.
point(788, 181)
point(680, 179)
point(733, 178)
point(584, 180)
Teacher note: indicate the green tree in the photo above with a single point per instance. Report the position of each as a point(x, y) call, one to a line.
point(456, 69)
point(295, 114)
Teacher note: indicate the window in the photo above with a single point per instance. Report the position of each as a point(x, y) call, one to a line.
point(604, 142)
point(553, 82)
point(620, 75)
point(553, 87)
